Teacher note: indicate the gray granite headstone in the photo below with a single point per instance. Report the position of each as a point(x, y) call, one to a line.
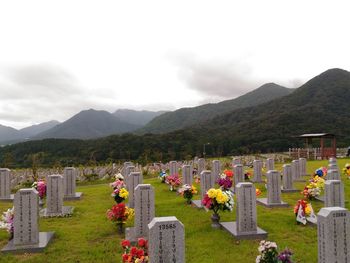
point(128, 170)
point(332, 160)
point(187, 176)
point(144, 212)
point(270, 164)
point(216, 169)
point(125, 172)
point(273, 191)
point(246, 225)
point(296, 171)
point(207, 181)
point(134, 179)
point(334, 193)
point(173, 168)
point(302, 166)
point(236, 161)
point(333, 173)
point(257, 164)
point(201, 165)
point(333, 229)
point(238, 175)
point(54, 198)
point(287, 180)
point(26, 224)
point(5, 185)
point(69, 184)
point(166, 240)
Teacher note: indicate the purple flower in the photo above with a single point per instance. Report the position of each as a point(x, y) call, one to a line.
point(285, 256)
point(225, 183)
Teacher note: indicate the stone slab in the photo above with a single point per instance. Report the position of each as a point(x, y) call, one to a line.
point(263, 201)
point(66, 212)
point(197, 203)
point(77, 196)
point(290, 190)
point(12, 197)
point(232, 229)
point(44, 240)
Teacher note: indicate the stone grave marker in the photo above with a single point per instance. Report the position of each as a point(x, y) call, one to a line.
point(296, 171)
point(334, 194)
point(173, 168)
point(270, 164)
point(236, 161)
point(187, 176)
point(69, 183)
point(201, 165)
point(216, 169)
point(54, 198)
point(273, 191)
point(27, 238)
point(144, 212)
point(333, 234)
point(246, 225)
point(128, 170)
point(166, 240)
point(333, 173)
point(257, 164)
point(238, 175)
point(125, 166)
point(302, 167)
point(134, 179)
point(207, 182)
point(287, 180)
point(5, 185)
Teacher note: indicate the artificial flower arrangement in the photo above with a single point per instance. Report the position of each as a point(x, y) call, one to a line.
point(197, 179)
point(314, 188)
point(135, 254)
point(119, 176)
point(187, 191)
point(6, 221)
point(257, 192)
point(173, 181)
point(304, 212)
point(346, 170)
point(321, 172)
point(217, 199)
point(247, 175)
point(228, 173)
point(225, 183)
point(119, 214)
point(162, 176)
point(269, 253)
point(40, 186)
point(120, 193)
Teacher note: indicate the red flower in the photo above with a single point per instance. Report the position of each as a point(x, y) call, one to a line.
point(228, 173)
point(207, 202)
point(125, 243)
point(140, 253)
point(125, 257)
point(142, 242)
point(133, 251)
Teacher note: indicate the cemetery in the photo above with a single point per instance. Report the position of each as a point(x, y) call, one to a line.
point(205, 210)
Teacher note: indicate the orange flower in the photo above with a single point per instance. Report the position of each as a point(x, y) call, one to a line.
point(257, 192)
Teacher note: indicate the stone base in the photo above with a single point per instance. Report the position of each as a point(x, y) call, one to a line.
point(231, 228)
point(66, 211)
point(77, 196)
point(12, 197)
point(263, 201)
point(320, 198)
point(290, 190)
point(44, 240)
point(197, 203)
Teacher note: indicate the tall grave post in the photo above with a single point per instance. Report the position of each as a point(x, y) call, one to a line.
point(5, 185)
point(238, 175)
point(296, 171)
point(270, 164)
point(207, 182)
point(69, 182)
point(173, 168)
point(287, 180)
point(334, 193)
point(134, 179)
point(187, 172)
point(201, 165)
point(302, 167)
point(216, 169)
point(257, 164)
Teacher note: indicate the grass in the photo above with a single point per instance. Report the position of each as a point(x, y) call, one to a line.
point(88, 236)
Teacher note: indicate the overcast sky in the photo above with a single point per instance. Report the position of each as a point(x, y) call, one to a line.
point(60, 57)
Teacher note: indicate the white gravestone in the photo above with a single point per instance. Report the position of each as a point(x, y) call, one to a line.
point(207, 182)
point(26, 224)
point(302, 166)
point(270, 164)
point(296, 171)
point(187, 172)
point(216, 169)
point(238, 175)
point(333, 234)
point(273, 191)
point(5, 185)
point(201, 165)
point(134, 179)
point(287, 180)
point(333, 174)
point(69, 183)
point(173, 168)
point(246, 225)
point(166, 240)
point(125, 166)
point(257, 164)
point(334, 194)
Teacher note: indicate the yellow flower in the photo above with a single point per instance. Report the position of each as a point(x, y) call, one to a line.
point(123, 193)
point(308, 209)
point(212, 193)
point(129, 213)
point(221, 198)
point(194, 190)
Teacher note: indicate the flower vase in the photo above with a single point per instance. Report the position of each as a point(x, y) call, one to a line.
point(188, 201)
point(41, 202)
point(120, 228)
point(171, 188)
point(215, 219)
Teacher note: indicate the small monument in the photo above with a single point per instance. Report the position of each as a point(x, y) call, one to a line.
point(257, 164)
point(207, 182)
point(5, 185)
point(69, 183)
point(334, 193)
point(173, 168)
point(287, 180)
point(187, 174)
point(270, 164)
point(216, 169)
point(134, 179)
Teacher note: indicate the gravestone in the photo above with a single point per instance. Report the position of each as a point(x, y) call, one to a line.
point(334, 193)
point(5, 185)
point(69, 183)
point(287, 180)
point(27, 237)
point(125, 166)
point(134, 179)
point(246, 225)
point(144, 212)
point(54, 198)
point(201, 165)
point(236, 161)
point(270, 164)
point(273, 191)
point(216, 169)
point(173, 168)
point(187, 176)
point(332, 160)
point(302, 167)
point(296, 171)
point(333, 228)
point(128, 170)
point(333, 172)
point(207, 182)
point(257, 164)
point(238, 175)
point(166, 240)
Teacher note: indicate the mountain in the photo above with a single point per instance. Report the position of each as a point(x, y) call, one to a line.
point(88, 124)
point(8, 134)
point(38, 128)
point(186, 117)
point(140, 118)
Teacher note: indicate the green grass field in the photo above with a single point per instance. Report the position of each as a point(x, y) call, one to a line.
point(89, 237)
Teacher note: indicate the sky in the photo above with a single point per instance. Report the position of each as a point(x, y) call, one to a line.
point(60, 57)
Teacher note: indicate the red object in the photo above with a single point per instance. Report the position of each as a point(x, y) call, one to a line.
point(142, 242)
point(125, 243)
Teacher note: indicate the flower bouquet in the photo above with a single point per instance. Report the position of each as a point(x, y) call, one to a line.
point(269, 253)
point(303, 212)
point(40, 186)
point(228, 173)
point(119, 191)
point(120, 214)
point(346, 170)
point(187, 191)
point(321, 172)
point(135, 254)
point(217, 199)
point(314, 188)
point(162, 176)
point(6, 221)
point(119, 177)
point(225, 183)
point(174, 181)
point(257, 192)
point(247, 175)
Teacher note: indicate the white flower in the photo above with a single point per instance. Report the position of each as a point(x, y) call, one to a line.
point(258, 258)
point(119, 176)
